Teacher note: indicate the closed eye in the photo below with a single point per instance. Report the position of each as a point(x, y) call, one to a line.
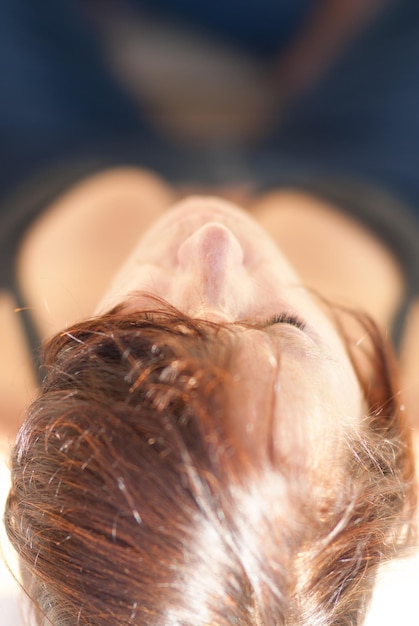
point(286, 318)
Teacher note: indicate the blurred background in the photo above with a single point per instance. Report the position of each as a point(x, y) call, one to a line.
point(254, 83)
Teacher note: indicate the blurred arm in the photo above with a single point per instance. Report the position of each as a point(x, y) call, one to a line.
point(330, 26)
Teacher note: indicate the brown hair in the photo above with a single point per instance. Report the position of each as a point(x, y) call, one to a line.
point(132, 502)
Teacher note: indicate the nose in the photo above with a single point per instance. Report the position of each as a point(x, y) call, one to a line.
point(213, 257)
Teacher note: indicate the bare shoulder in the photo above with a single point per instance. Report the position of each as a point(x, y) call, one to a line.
point(69, 256)
point(64, 265)
point(333, 253)
point(410, 366)
point(17, 380)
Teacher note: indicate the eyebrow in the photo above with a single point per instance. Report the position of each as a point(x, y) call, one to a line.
point(165, 309)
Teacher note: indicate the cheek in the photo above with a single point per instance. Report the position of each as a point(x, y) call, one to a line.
point(131, 279)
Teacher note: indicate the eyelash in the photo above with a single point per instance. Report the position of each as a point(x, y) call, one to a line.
point(286, 318)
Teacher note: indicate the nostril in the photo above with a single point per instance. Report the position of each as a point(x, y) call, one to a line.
point(211, 260)
point(212, 248)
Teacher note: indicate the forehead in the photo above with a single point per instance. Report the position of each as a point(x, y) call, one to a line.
point(290, 399)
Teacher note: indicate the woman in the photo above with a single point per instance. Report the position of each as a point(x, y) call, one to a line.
point(220, 443)
point(224, 442)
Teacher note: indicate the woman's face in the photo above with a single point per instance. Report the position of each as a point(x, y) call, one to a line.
point(212, 261)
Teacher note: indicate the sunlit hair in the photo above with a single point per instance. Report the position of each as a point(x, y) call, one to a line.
point(133, 503)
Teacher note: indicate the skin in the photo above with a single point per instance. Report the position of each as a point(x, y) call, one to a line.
point(77, 229)
point(172, 258)
point(212, 261)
